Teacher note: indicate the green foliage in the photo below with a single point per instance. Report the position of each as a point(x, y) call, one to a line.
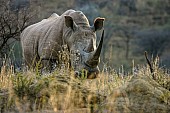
point(25, 86)
point(83, 75)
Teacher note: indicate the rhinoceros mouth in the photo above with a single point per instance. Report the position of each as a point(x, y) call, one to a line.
point(88, 72)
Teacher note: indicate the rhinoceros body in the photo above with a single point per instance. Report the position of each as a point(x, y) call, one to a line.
point(43, 41)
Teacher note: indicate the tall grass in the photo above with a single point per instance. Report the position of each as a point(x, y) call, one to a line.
point(60, 91)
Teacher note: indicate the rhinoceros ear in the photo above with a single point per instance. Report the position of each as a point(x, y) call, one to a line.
point(98, 23)
point(70, 23)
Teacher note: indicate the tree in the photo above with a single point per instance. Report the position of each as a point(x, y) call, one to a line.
point(127, 7)
point(127, 34)
point(14, 18)
point(154, 41)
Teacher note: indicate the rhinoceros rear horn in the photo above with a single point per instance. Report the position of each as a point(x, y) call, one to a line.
point(94, 56)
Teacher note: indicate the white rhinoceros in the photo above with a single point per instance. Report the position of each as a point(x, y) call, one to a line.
point(43, 41)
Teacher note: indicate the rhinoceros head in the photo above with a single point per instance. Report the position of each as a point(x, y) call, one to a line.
point(82, 45)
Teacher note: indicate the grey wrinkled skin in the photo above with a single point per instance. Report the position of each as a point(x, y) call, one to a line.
point(43, 41)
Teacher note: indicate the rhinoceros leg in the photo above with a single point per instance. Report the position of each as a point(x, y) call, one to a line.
point(29, 49)
point(30, 58)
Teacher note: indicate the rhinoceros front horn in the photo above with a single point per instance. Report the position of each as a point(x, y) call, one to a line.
point(93, 58)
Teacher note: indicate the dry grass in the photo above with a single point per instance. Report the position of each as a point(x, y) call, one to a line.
point(60, 92)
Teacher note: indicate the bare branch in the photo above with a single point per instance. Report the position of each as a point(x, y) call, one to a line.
point(12, 23)
point(150, 65)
